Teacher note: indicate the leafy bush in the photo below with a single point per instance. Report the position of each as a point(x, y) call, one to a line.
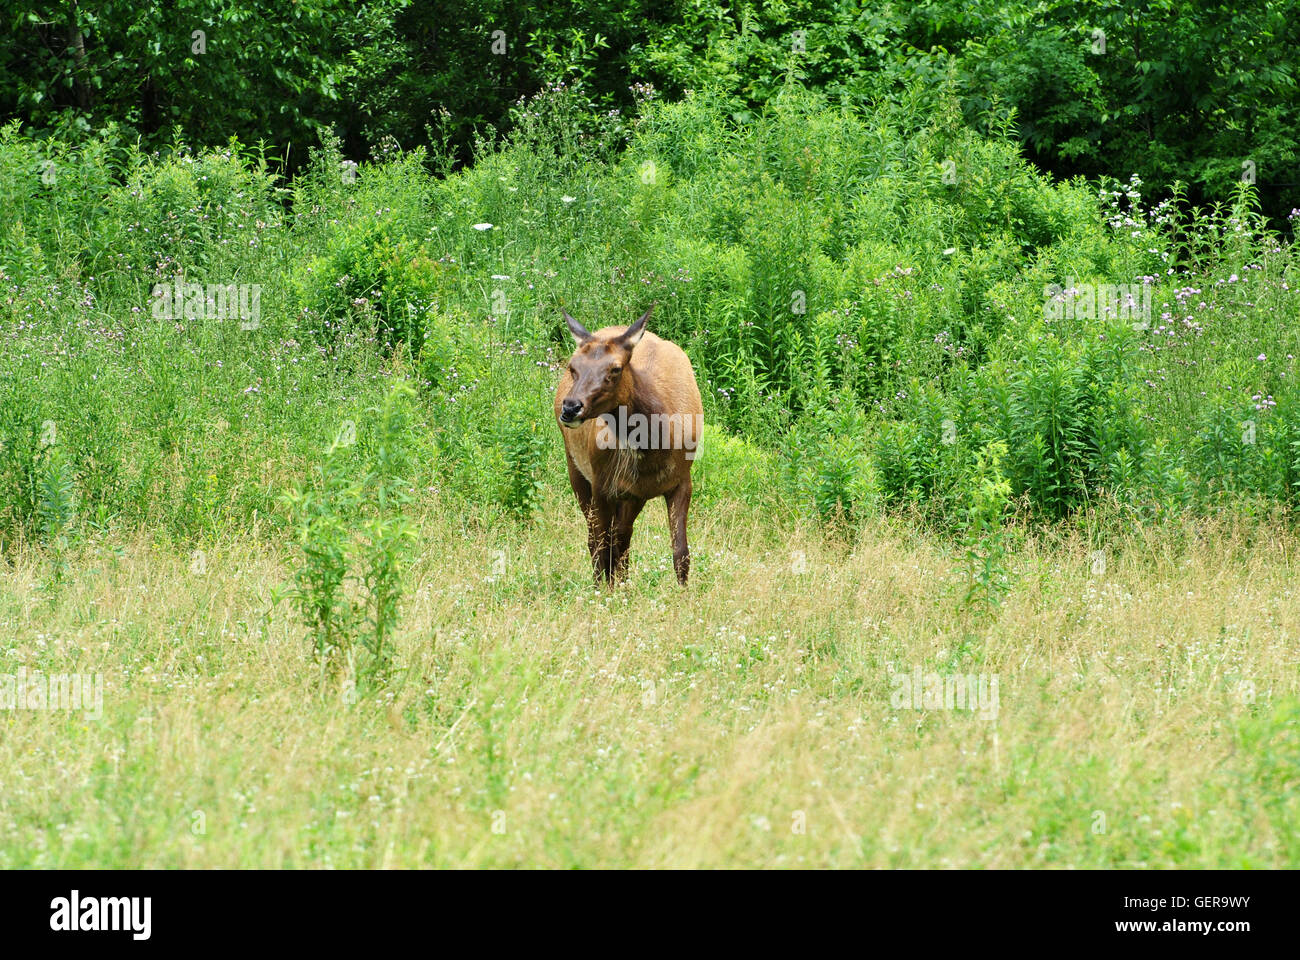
point(523, 451)
point(348, 588)
point(827, 466)
point(368, 278)
point(983, 539)
point(730, 469)
point(491, 414)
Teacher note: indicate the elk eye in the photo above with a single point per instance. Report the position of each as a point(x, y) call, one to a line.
point(615, 371)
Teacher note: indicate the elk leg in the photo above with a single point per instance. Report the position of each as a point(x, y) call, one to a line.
point(628, 510)
point(581, 485)
point(600, 538)
point(598, 519)
point(679, 501)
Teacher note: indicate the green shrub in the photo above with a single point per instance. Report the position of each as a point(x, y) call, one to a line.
point(523, 452)
point(983, 539)
point(183, 214)
point(52, 202)
point(730, 469)
point(827, 466)
point(354, 539)
point(490, 409)
point(369, 278)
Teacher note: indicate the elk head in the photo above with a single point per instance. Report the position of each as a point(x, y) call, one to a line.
point(601, 380)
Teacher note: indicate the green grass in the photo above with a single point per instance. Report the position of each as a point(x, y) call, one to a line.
point(656, 726)
point(411, 653)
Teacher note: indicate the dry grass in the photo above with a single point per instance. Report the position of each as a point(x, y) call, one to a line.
point(1147, 715)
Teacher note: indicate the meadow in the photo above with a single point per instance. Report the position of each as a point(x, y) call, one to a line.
point(311, 524)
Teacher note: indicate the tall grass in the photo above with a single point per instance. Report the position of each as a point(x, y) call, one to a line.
point(903, 431)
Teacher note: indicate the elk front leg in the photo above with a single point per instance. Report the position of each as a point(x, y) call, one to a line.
point(600, 537)
point(598, 519)
point(628, 510)
point(679, 502)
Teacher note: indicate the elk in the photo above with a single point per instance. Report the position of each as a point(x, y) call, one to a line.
point(630, 413)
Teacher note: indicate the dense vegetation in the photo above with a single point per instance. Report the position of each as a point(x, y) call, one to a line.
point(1203, 93)
point(866, 298)
point(307, 406)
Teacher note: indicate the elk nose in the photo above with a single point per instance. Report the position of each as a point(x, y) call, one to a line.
point(570, 409)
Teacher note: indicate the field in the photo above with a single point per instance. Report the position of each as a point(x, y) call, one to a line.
point(995, 523)
point(750, 720)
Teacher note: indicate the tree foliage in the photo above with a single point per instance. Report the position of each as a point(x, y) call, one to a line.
point(1199, 92)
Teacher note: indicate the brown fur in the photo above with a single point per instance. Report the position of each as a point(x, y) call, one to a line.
point(612, 485)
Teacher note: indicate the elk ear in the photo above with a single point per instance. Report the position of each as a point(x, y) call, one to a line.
point(580, 333)
point(633, 334)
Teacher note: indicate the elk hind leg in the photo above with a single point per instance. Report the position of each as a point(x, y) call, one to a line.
point(679, 502)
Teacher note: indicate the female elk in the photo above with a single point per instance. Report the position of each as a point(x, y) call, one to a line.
point(631, 417)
